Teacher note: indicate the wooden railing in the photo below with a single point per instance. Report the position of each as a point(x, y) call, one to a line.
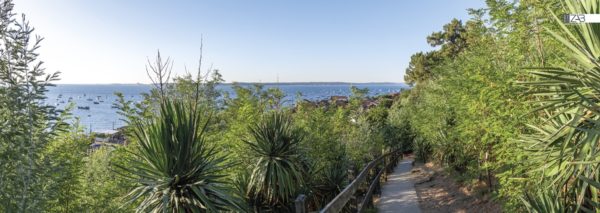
point(372, 173)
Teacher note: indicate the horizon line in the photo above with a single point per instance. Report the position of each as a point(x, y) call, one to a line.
point(248, 82)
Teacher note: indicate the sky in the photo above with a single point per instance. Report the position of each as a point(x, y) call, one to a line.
point(110, 41)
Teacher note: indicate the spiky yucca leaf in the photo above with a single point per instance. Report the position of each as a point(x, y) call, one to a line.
point(277, 171)
point(544, 201)
point(176, 170)
point(566, 145)
point(331, 182)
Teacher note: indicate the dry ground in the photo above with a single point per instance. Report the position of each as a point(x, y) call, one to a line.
point(439, 192)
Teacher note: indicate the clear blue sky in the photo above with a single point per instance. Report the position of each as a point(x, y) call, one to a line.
point(108, 41)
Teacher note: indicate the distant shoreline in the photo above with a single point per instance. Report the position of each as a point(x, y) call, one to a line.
point(263, 83)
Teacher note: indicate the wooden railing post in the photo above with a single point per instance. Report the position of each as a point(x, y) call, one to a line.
point(300, 203)
point(353, 203)
point(371, 173)
point(351, 176)
point(377, 189)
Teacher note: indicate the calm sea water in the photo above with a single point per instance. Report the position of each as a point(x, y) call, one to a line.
point(101, 116)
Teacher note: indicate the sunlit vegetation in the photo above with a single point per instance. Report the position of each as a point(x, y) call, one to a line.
point(253, 152)
point(508, 100)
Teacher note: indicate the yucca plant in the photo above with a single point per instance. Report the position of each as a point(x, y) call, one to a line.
point(240, 183)
point(565, 148)
point(277, 171)
point(422, 149)
point(544, 201)
point(174, 167)
point(331, 181)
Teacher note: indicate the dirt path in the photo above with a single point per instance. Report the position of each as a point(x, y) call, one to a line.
point(438, 192)
point(398, 193)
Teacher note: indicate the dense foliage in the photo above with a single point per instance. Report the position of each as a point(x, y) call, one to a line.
point(508, 101)
point(26, 126)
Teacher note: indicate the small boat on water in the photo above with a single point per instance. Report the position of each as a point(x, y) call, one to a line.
point(96, 102)
point(83, 107)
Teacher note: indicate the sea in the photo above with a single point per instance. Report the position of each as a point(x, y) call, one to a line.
point(102, 117)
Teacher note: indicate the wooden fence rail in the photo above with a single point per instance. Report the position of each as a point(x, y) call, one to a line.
point(338, 203)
